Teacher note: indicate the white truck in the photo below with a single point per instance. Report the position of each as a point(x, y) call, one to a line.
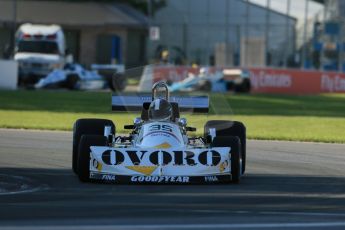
point(39, 50)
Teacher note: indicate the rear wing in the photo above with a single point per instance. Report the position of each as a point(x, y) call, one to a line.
point(134, 103)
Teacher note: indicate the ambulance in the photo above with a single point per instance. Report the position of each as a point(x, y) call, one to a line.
point(39, 50)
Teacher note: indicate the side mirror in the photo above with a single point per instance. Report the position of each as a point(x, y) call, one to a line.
point(182, 121)
point(137, 121)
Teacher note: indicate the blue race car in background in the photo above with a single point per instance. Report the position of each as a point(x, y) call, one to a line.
point(218, 81)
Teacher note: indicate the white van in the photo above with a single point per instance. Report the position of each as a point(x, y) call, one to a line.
point(39, 50)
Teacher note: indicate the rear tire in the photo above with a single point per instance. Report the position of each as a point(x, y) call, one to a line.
point(206, 86)
point(244, 87)
point(229, 128)
point(87, 127)
point(118, 82)
point(84, 150)
point(235, 152)
point(71, 81)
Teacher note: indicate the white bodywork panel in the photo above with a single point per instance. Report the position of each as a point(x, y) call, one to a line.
point(160, 135)
point(160, 162)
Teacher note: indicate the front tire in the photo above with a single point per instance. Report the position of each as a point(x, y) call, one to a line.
point(87, 127)
point(229, 128)
point(84, 151)
point(235, 154)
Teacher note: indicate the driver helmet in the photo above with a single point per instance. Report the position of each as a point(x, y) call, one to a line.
point(204, 71)
point(159, 110)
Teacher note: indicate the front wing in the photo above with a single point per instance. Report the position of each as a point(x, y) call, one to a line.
point(161, 166)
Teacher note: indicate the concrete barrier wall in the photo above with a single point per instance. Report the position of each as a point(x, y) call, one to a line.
point(8, 74)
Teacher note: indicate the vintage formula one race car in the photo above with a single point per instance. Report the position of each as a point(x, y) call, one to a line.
point(158, 149)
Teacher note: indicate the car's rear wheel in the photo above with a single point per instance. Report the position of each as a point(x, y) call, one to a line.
point(229, 128)
point(118, 82)
point(235, 154)
point(71, 81)
point(87, 127)
point(206, 86)
point(83, 160)
point(244, 87)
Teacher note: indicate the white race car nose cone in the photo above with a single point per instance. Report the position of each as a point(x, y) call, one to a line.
point(161, 135)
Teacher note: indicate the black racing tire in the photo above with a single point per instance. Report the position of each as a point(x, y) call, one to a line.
point(71, 81)
point(118, 82)
point(87, 127)
point(83, 160)
point(229, 86)
point(206, 86)
point(244, 87)
point(235, 144)
point(230, 128)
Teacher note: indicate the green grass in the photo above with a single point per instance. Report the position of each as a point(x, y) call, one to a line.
point(133, 81)
point(280, 117)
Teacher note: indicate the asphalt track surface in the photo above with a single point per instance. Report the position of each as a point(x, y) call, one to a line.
point(288, 185)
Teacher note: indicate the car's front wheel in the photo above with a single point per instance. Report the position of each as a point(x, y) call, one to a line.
point(87, 127)
point(235, 154)
point(229, 128)
point(83, 169)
